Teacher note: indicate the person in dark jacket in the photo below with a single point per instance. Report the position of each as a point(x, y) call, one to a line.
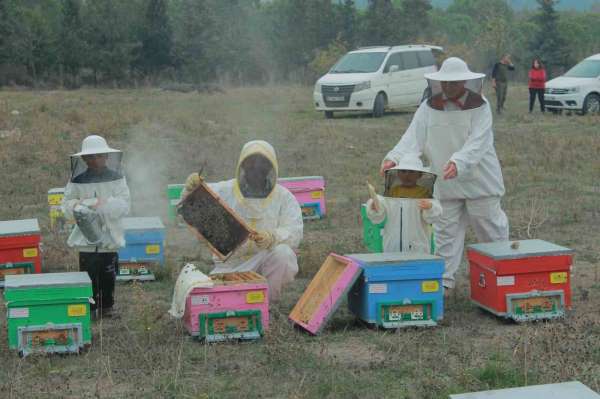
point(537, 84)
point(500, 80)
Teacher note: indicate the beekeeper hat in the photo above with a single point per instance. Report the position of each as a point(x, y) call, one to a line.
point(454, 69)
point(411, 162)
point(94, 145)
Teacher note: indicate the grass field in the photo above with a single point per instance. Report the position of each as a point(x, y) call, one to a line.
point(551, 168)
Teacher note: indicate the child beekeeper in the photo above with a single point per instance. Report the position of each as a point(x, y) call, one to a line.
point(97, 198)
point(406, 209)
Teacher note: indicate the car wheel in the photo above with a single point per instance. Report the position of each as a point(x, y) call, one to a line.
point(379, 106)
point(591, 104)
point(329, 114)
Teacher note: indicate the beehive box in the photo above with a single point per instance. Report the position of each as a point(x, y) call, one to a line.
point(55, 199)
point(235, 307)
point(213, 221)
point(173, 196)
point(398, 289)
point(48, 313)
point(522, 280)
point(372, 233)
point(324, 293)
point(310, 193)
point(20, 250)
point(565, 390)
point(144, 248)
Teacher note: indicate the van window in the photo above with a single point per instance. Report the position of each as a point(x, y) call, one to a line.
point(395, 59)
point(585, 69)
point(359, 63)
point(410, 60)
point(425, 58)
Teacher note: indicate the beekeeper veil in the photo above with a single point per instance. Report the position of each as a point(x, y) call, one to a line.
point(96, 162)
point(409, 179)
point(454, 87)
point(257, 170)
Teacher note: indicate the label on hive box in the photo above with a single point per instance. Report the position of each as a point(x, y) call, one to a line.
point(315, 195)
point(255, 297)
point(18, 313)
point(430, 286)
point(30, 252)
point(378, 289)
point(200, 300)
point(152, 249)
point(558, 277)
point(76, 310)
point(505, 280)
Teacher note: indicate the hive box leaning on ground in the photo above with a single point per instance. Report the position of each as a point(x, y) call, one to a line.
point(325, 292)
point(310, 194)
point(522, 280)
point(213, 221)
point(398, 289)
point(235, 307)
point(144, 248)
point(20, 251)
point(48, 313)
point(565, 390)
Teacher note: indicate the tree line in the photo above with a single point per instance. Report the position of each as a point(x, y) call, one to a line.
point(69, 43)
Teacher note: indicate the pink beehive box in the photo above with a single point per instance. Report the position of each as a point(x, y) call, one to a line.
point(235, 307)
point(310, 193)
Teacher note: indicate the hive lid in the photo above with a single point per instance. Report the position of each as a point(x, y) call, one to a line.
point(176, 185)
point(565, 390)
point(524, 248)
point(143, 223)
point(392, 257)
point(19, 227)
point(57, 190)
point(46, 279)
point(301, 178)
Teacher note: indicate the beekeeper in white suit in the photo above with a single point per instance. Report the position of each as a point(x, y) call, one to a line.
point(453, 129)
point(97, 198)
point(269, 209)
point(406, 207)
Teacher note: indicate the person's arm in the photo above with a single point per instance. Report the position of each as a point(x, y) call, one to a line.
point(118, 204)
point(290, 226)
point(494, 73)
point(478, 143)
point(413, 140)
point(433, 214)
point(70, 200)
point(376, 216)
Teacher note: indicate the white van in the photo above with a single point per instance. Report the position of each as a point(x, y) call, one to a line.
point(376, 78)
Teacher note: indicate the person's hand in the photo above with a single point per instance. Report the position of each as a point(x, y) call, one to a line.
point(99, 203)
point(387, 164)
point(193, 181)
point(450, 171)
point(493, 83)
point(424, 204)
point(374, 198)
point(263, 239)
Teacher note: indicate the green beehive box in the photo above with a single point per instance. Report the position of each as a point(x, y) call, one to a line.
point(173, 196)
point(372, 233)
point(48, 313)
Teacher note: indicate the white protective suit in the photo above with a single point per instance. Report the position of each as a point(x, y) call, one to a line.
point(189, 278)
point(109, 186)
point(463, 135)
point(278, 213)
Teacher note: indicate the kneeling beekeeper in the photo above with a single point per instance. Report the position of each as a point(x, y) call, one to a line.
point(97, 197)
point(269, 209)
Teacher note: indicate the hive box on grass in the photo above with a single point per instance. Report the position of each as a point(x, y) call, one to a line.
point(310, 193)
point(565, 390)
point(48, 313)
point(235, 307)
point(522, 280)
point(20, 251)
point(173, 196)
point(144, 248)
point(398, 289)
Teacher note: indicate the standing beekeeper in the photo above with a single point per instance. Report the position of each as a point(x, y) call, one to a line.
point(269, 209)
point(97, 198)
point(453, 130)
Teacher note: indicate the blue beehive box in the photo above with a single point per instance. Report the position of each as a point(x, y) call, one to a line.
point(144, 248)
point(398, 289)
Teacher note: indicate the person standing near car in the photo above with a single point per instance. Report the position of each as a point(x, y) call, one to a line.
point(537, 84)
point(500, 80)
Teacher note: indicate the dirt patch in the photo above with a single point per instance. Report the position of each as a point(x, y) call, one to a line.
point(351, 353)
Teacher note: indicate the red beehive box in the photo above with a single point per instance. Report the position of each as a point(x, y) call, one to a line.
point(19, 247)
point(521, 280)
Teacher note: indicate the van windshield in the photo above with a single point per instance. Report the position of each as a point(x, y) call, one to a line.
point(585, 69)
point(359, 63)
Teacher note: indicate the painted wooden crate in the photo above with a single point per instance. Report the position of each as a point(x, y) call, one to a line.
point(48, 313)
point(144, 248)
point(565, 390)
point(235, 307)
point(398, 289)
point(173, 196)
point(20, 250)
point(522, 280)
point(324, 293)
point(55, 199)
point(310, 193)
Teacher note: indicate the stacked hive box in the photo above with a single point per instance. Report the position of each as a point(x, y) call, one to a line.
point(565, 390)
point(310, 193)
point(144, 248)
point(55, 199)
point(173, 196)
point(20, 251)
